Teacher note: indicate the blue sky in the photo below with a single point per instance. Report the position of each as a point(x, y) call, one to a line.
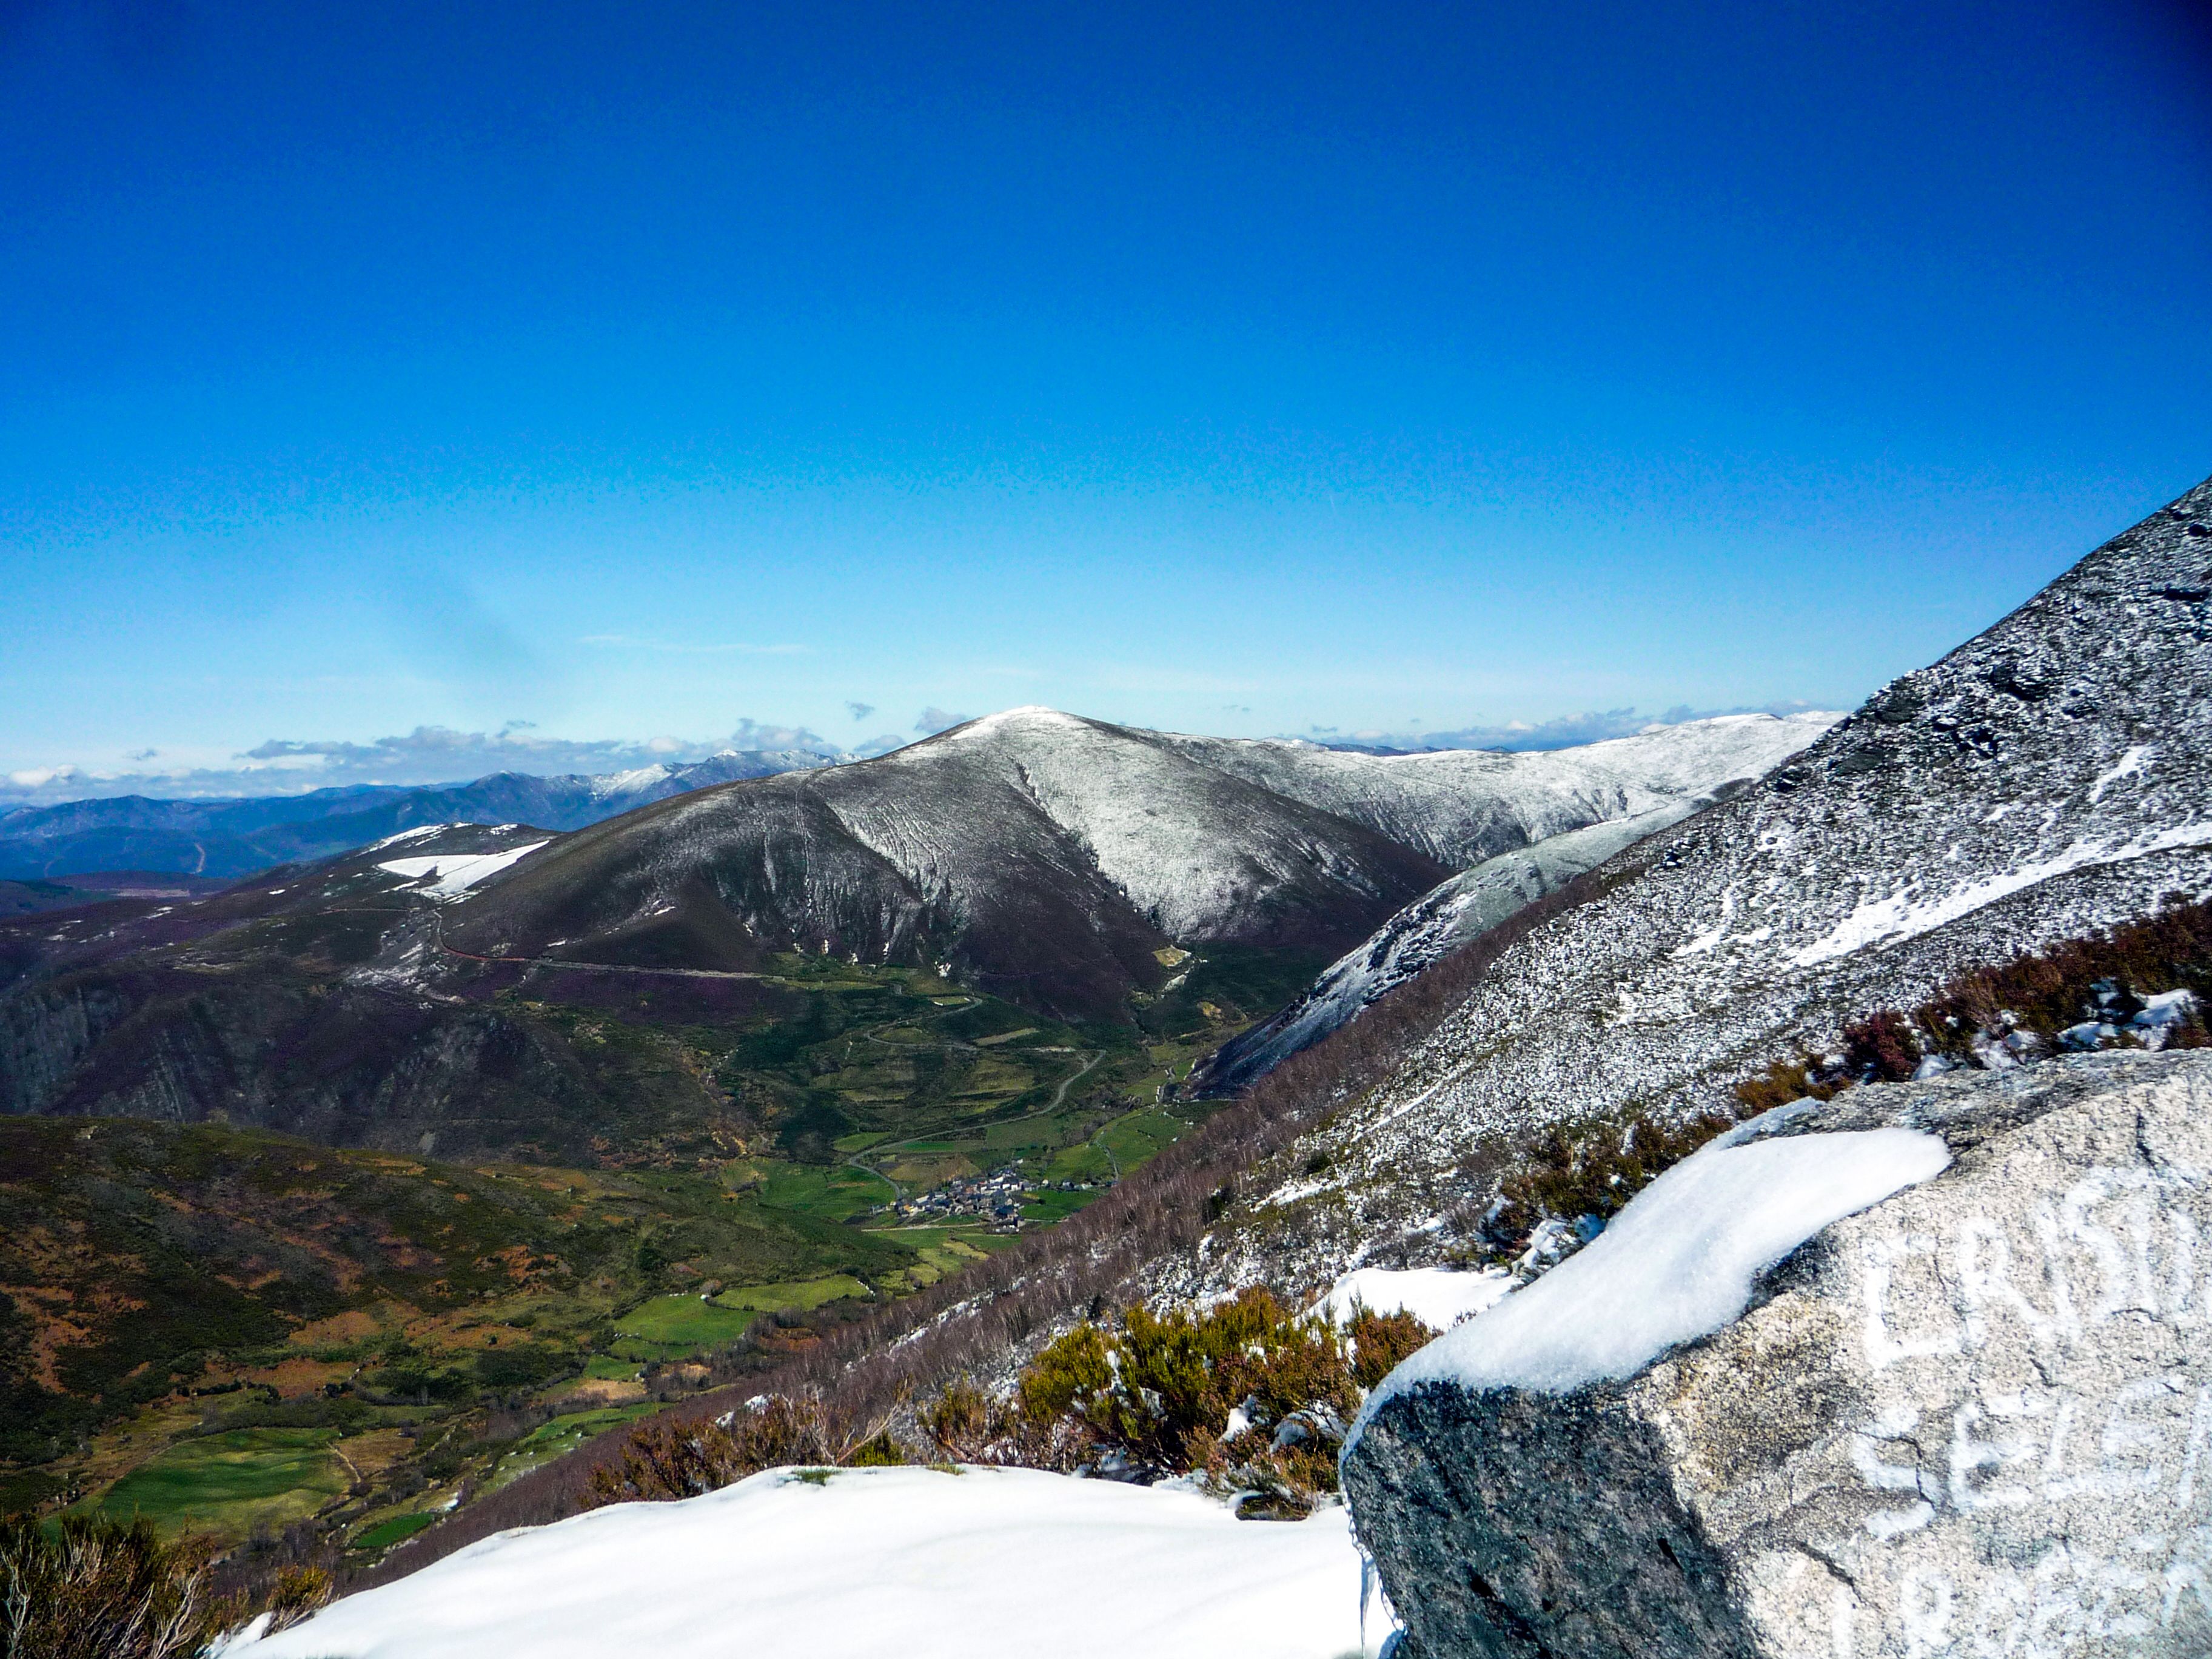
point(638, 371)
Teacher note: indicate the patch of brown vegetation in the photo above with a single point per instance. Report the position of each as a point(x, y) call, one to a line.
point(354, 1325)
point(597, 1391)
point(295, 1379)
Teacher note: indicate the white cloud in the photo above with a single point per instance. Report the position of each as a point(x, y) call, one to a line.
point(427, 755)
point(38, 777)
point(1593, 726)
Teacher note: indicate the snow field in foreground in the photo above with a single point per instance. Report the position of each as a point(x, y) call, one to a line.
point(1678, 1263)
point(922, 1563)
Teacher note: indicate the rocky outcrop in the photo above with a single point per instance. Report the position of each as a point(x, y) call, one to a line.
point(1973, 1418)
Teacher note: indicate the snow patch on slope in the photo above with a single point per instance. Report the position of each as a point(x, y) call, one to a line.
point(1439, 1297)
point(456, 873)
point(406, 836)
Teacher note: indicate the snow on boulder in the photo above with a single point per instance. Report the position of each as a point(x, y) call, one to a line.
point(923, 1563)
point(1918, 1371)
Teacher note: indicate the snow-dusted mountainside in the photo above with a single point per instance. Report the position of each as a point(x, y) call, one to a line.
point(1421, 935)
point(233, 837)
point(2048, 777)
point(1052, 858)
point(1463, 806)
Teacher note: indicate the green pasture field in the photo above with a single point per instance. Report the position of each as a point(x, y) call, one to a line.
point(1049, 1207)
point(559, 1438)
point(677, 1327)
point(838, 1193)
point(803, 1293)
point(397, 1530)
point(228, 1485)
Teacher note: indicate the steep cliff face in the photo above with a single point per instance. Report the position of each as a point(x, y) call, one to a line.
point(1969, 1414)
point(2052, 776)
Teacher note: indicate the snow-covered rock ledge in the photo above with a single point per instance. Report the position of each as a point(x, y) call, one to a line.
point(1923, 1370)
point(866, 1563)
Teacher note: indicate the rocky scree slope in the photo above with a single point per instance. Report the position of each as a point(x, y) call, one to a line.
point(1053, 860)
point(2049, 777)
point(235, 838)
point(1447, 918)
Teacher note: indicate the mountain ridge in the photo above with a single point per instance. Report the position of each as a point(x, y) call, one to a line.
point(1039, 848)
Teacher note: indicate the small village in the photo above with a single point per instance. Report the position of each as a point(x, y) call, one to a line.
point(994, 1197)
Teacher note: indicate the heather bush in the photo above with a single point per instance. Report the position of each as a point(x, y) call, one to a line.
point(1253, 1398)
point(1158, 1394)
point(1379, 1341)
point(962, 1422)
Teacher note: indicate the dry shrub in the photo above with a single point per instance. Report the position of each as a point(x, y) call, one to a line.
point(664, 1458)
point(1880, 1048)
point(966, 1426)
point(81, 1587)
point(962, 1422)
point(293, 1594)
point(1592, 1169)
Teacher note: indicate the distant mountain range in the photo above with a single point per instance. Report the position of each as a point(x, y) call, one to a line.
point(238, 836)
point(457, 981)
point(1063, 862)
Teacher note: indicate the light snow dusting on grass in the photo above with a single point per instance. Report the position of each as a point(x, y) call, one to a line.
point(1677, 1264)
point(863, 1564)
point(1902, 916)
point(406, 836)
